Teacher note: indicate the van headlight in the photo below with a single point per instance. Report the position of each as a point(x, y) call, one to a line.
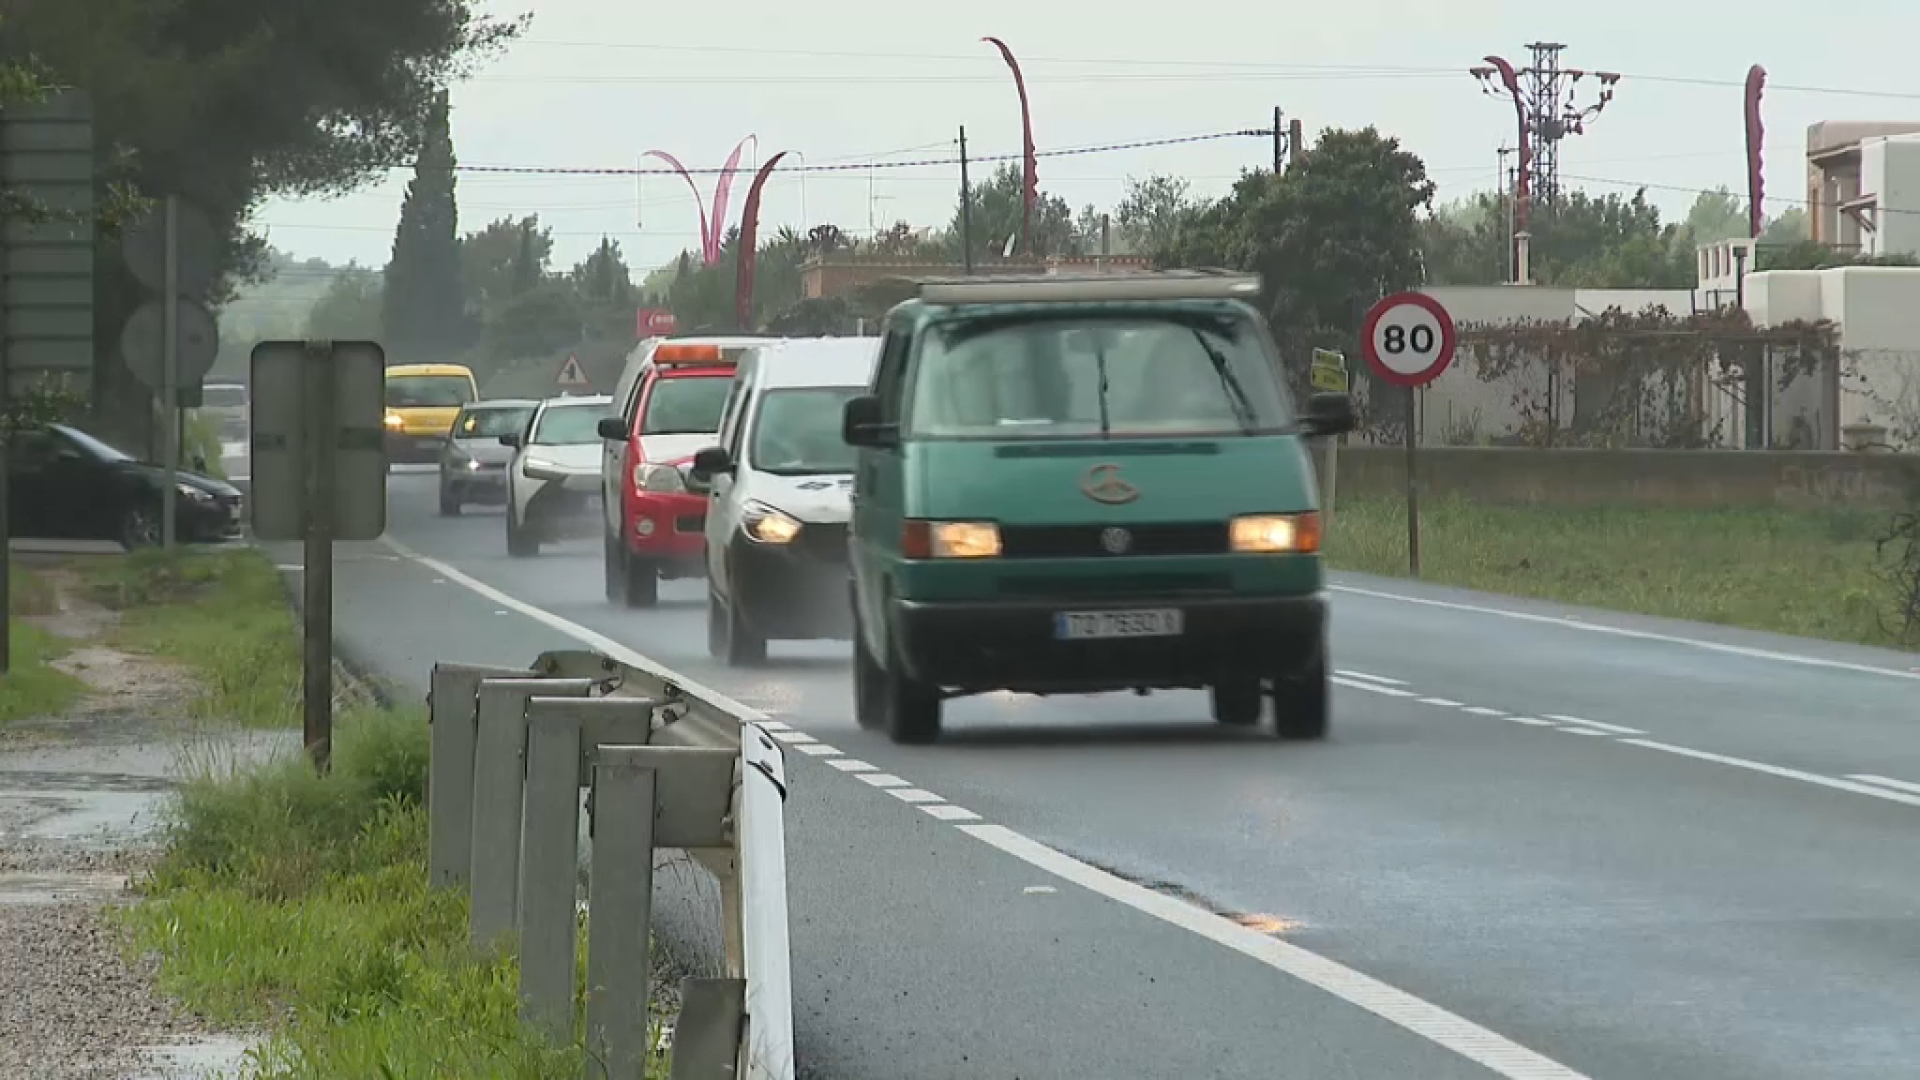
point(1276, 534)
point(951, 540)
point(766, 525)
point(394, 422)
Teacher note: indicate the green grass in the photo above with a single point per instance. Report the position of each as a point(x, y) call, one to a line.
point(32, 688)
point(1810, 574)
point(300, 902)
point(201, 436)
point(223, 614)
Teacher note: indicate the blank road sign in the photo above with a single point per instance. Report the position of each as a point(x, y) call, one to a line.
point(279, 440)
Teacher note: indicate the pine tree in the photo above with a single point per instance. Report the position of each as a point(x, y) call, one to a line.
point(423, 307)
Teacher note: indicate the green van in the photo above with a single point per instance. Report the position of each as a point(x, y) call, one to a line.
point(1080, 485)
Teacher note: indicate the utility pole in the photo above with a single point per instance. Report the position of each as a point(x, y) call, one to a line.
point(1279, 142)
point(966, 208)
point(1503, 183)
point(1542, 94)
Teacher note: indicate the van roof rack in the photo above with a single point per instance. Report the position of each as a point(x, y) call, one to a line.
point(1090, 288)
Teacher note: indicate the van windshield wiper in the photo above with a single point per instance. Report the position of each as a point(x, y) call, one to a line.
point(1242, 405)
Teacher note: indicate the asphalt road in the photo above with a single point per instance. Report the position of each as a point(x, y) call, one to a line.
point(1637, 849)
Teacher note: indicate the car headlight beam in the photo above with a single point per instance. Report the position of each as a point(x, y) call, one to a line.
point(766, 525)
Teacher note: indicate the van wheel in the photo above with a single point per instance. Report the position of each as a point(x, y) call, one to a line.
point(911, 707)
point(641, 581)
point(729, 640)
point(869, 709)
point(1302, 702)
point(1237, 702)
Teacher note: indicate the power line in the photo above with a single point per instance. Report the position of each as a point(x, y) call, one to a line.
point(824, 167)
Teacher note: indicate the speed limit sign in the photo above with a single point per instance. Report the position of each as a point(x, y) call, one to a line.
point(1408, 339)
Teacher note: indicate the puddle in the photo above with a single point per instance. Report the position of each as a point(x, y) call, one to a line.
point(31, 890)
point(107, 817)
point(212, 1058)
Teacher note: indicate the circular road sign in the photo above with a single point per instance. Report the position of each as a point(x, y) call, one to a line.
point(141, 342)
point(197, 247)
point(1408, 339)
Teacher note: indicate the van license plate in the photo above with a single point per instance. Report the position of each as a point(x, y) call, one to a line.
point(1083, 625)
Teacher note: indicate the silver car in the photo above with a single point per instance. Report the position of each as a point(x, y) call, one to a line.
point(473, 463)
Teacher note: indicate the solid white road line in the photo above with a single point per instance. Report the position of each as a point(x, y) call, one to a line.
point(1531, 721)
point(1776, 770)
point(1482, 710)
point(1445, 703)
point(1471, 1041)
point(1882, 781)
point(1640, 635)
point(1502, 1056)
point(1615, 729)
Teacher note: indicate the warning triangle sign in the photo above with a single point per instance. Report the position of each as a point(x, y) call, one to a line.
point(571, 375)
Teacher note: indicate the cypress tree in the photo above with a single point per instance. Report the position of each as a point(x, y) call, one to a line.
point(424, 307)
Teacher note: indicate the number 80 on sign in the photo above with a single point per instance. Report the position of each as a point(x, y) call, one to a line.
point(1408, 339)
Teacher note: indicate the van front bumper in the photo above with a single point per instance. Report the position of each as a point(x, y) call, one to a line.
point(976, 647)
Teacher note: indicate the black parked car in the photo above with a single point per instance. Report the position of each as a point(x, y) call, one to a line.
point(63, 484)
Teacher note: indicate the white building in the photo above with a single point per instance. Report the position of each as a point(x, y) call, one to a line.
point(1863, 186)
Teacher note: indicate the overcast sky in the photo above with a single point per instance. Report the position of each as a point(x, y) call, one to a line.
point(597, 83)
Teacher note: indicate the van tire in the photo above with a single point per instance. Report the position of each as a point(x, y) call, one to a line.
point(729, 639)
point(613, 566)
point(869, 709)
point(520, 545)
point(1302, 702)
point(912, 708)
point(1237, 702)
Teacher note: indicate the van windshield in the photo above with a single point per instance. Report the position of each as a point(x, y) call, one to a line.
point(797, 431)
point(492, 422)
point(428, 391)
point(1098, 376)
point(686, 404)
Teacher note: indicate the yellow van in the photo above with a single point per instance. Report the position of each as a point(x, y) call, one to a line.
point(422, 402)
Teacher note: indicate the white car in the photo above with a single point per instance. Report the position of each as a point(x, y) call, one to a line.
point(780, 484)
point(553, 482)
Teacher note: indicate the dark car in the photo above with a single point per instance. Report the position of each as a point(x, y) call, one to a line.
point(473, 464)
point(64, 484)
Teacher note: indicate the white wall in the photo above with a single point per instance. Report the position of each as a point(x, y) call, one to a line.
point(1877, 311)
point(1890, 172)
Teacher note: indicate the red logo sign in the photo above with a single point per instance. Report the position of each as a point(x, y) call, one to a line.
point(653, 322)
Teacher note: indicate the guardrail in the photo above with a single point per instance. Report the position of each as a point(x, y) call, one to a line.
point(663, 768)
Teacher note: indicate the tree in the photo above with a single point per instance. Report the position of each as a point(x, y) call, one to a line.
point(424, 314)
point(605, 288)
point(1576, 241)
point(1789, 227)
point(493, 260)
point(1152, 213)
point(178, 99)
point(1716, 215)
point(996, 218)
point(1329, 237)
point(350, 308)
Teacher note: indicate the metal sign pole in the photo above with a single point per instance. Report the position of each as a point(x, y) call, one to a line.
point(1413, 484)
point(318, 437)
point(170, 375)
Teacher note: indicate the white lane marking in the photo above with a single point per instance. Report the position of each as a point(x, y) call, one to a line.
point(915, 796)
point(818, 750)
point(1382, 679)
point(883, 780)
point(1640, 635)
point(1465, 1038)
point(1482, 710)
point(776, 725)
point(1039, 890)
point(1445, 703)
point(1469, 1040)
point(1532, 721)
point(1585, 731)
point(1886, 782)
point(1356, 684)
point(792, 737)
point(1615, 729)
point(1776, 770)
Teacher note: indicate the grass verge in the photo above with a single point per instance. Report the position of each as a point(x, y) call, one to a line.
point(300, 903)
point(1809, 574)
point(222, 614)
point(31, 687)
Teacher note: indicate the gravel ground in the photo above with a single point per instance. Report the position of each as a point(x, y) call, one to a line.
point(79, 794)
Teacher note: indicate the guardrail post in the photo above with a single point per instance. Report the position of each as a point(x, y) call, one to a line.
point(706, 1038)
point(763, 911)
point(560, 734)
point(644, 797)
point(451, 701)
point(499, 776)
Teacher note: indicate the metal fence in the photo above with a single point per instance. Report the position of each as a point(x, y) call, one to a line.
point(665, 771)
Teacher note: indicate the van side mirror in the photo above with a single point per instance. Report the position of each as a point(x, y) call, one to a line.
point(613, 428)
point(1329, 415)
point(711, 462)
point(861, 424)
point(511, 440)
